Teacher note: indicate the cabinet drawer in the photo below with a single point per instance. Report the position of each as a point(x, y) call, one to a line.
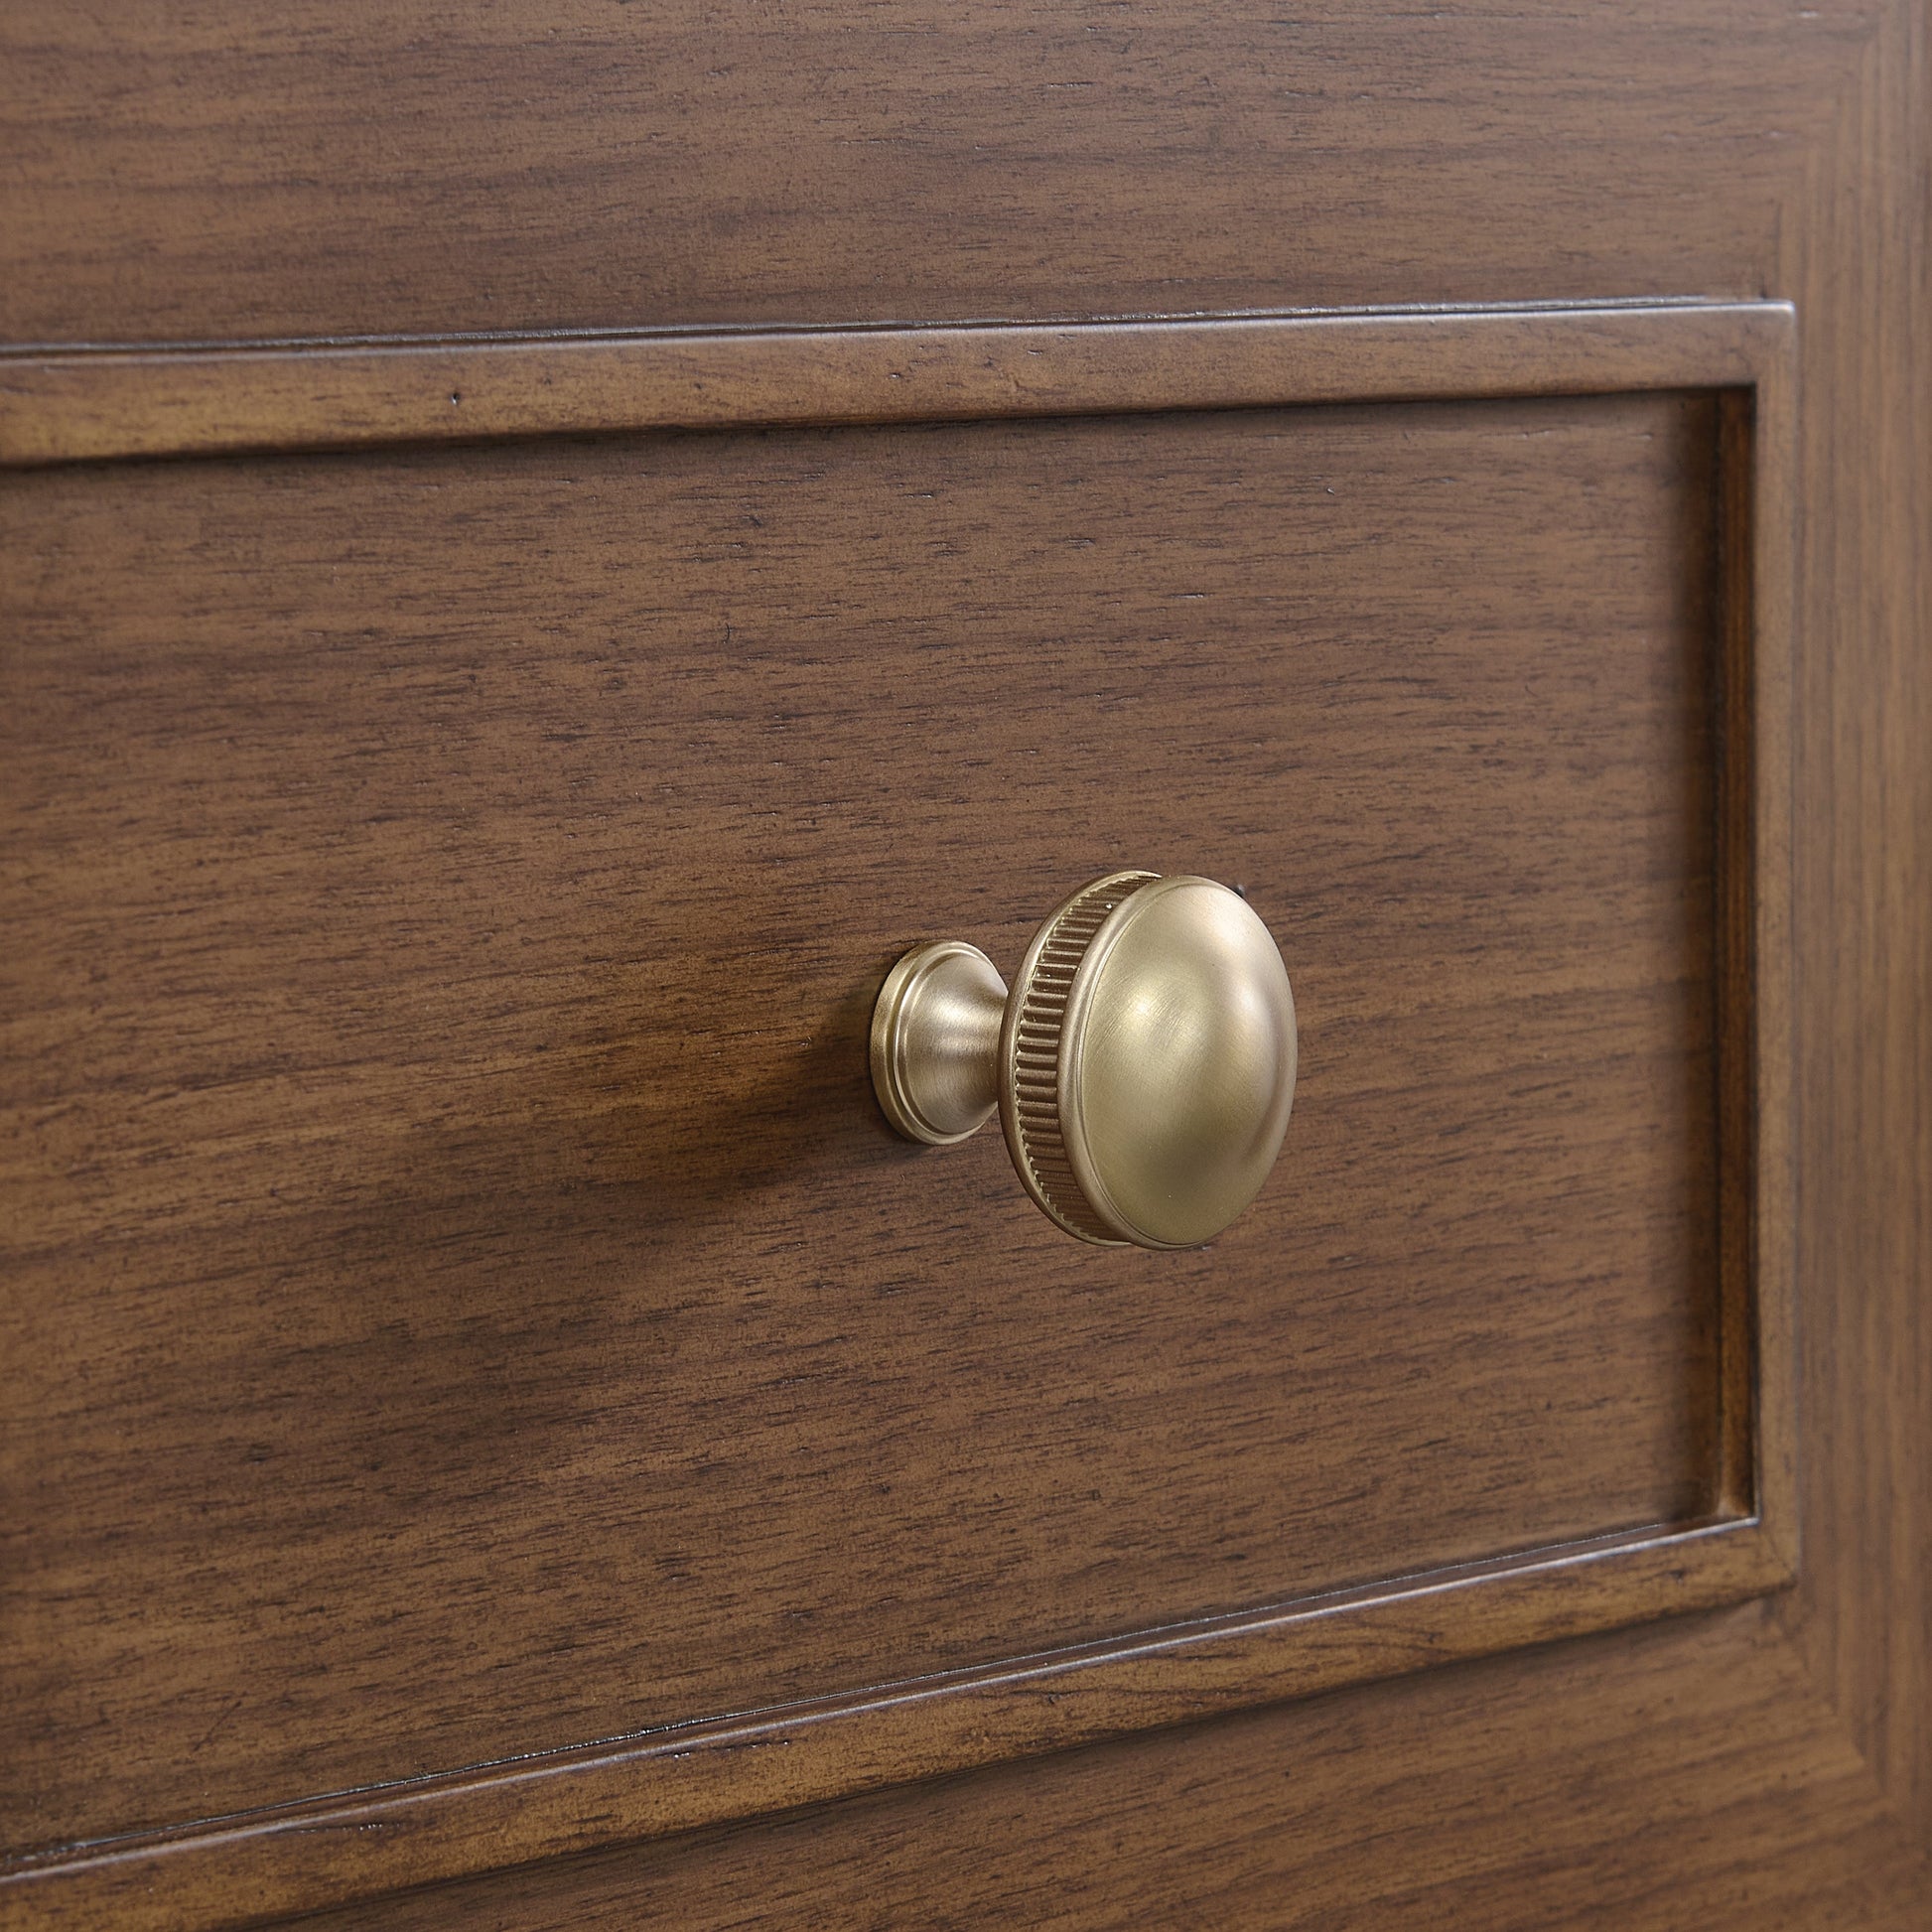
point(469, 1302)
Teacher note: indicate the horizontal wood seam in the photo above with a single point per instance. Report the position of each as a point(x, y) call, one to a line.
point(98, 404)
point(235, 1871)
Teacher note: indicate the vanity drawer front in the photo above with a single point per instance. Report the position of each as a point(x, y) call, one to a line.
point(470, 1301)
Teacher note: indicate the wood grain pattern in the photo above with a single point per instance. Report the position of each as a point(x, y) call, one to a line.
point(63, 408)
point(329, 167)
point(291, 171)
point(403, 1209)
point(1859, 246)
point(237, 1871)
point(1685, 1775)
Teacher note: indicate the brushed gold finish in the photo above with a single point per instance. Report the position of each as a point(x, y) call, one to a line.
point(1142, 1064)
point(935, 1038)
point(1032, 1063)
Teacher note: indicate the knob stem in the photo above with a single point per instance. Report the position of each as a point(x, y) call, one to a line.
point(936, 1041)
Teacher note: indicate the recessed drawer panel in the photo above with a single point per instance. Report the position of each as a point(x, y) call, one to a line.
point(468, 1301)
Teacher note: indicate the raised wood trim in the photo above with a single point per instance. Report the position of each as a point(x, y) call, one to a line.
point(94, 404)
point(231, 1872)
point(100, 404)
point(1757, 556)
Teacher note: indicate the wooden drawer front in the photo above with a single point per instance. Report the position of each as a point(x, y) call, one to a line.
point(469, 1302)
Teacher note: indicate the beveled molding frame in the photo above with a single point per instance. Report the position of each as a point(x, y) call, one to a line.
point(97, 404)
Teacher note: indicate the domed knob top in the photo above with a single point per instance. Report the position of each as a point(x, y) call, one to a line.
point(1145, 1059)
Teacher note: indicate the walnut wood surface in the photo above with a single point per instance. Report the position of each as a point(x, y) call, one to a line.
point(1686, 1775)
point(1858, 250)
point(83, 406)
point(366, 1845)
point(333, 167)
point(444, 1016)
point(278, 172)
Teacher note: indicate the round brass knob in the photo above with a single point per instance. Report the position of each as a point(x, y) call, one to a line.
point(1143, 1065)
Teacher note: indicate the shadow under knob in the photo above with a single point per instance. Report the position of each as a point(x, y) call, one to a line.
point(1142, 1064)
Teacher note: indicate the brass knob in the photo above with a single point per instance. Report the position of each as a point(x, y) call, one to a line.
point(1142, 1064)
